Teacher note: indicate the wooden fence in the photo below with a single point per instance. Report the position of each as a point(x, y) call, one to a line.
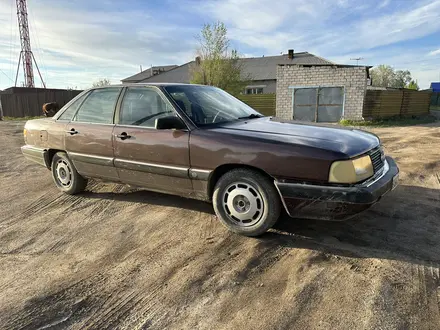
point(23, 102)
point(435, 100)
point(389, 103)
point(264, 103)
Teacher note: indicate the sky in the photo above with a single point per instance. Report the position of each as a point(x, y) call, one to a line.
point(78, 42)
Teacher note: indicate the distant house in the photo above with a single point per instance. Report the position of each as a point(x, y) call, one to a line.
point(262, 71)
point(435, 86)
point(150, 72)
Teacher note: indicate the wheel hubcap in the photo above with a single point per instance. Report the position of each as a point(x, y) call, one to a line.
point(63, 173)
point(243, 204)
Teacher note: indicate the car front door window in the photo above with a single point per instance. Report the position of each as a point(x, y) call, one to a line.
point(142, 106)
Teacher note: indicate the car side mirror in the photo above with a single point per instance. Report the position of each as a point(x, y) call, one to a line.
point(169, 122)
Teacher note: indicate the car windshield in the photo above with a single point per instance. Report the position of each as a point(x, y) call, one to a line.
point(207, 105)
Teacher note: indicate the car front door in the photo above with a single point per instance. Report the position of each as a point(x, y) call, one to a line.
point(157, 159)
point(88, 140)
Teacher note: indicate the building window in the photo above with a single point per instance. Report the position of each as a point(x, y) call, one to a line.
point(254, 90)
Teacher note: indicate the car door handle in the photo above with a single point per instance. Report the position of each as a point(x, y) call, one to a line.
point(72, 131)
point(123, 136)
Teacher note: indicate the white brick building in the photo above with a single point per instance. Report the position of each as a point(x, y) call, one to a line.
point(320, 93)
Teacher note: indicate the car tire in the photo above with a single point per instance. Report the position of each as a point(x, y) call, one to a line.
point(65, 175)
point(246, 202)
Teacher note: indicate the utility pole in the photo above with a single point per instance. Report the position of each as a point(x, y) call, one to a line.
point(26, 56)
point(357, 59)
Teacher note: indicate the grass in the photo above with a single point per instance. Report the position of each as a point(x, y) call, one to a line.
point(389, 122)
point(23, 118)
point(435, 107)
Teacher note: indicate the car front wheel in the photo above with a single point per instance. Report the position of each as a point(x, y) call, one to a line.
point(246, 202)
point(65, 176)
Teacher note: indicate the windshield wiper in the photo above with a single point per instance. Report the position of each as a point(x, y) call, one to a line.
point(251, 116)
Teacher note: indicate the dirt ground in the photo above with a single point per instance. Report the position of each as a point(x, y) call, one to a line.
point(115, 258)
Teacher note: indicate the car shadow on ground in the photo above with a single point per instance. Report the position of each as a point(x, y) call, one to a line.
point(150, 197)
point(404, 225)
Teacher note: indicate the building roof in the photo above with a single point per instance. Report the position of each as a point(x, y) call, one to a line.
point(435, 86)
point(148, 73)
point(256, 68)
point(141, 84)
point(180, 74)
point(265, 68)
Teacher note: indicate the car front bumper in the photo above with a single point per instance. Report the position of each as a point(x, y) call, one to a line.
point(335, 202)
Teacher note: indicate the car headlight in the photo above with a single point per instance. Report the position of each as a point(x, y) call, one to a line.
point(351, 171)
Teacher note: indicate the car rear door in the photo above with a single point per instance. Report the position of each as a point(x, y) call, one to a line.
point(157, 159)
point(88, 139)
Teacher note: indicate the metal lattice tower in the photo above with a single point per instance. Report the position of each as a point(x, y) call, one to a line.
point(26, 55)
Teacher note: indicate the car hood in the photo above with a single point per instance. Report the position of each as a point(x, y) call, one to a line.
point(349, 142)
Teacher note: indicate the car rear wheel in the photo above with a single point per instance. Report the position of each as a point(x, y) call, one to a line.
point(65, 176)
point(246, 202)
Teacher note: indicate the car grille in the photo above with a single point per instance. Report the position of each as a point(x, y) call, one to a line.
point(377, 158)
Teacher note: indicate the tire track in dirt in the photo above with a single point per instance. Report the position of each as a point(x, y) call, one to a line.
point(44, 310)
point(428, 282)
point(151, 306)
point(114, 311)
point(45, 202)
point(211, 275)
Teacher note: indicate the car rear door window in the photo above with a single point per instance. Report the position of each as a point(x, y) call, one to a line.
point(71, 110)
point(99, 106)
point(142, 106)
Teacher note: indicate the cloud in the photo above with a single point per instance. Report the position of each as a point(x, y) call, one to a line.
point(434, 52)
point(324, 25)
point(423, 67)
point(384, 4)
point(336, 30)
point(77, 46)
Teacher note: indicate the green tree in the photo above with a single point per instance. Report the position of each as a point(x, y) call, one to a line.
point(401, 79)
point(386, 76)
point(413, 85)
point(382, 76)
point(217, 64)
point(101, 82)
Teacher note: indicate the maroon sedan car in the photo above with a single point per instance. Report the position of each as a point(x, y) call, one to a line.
point(200, 142)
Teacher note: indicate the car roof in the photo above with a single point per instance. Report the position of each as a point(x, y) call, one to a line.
point(148, 84)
